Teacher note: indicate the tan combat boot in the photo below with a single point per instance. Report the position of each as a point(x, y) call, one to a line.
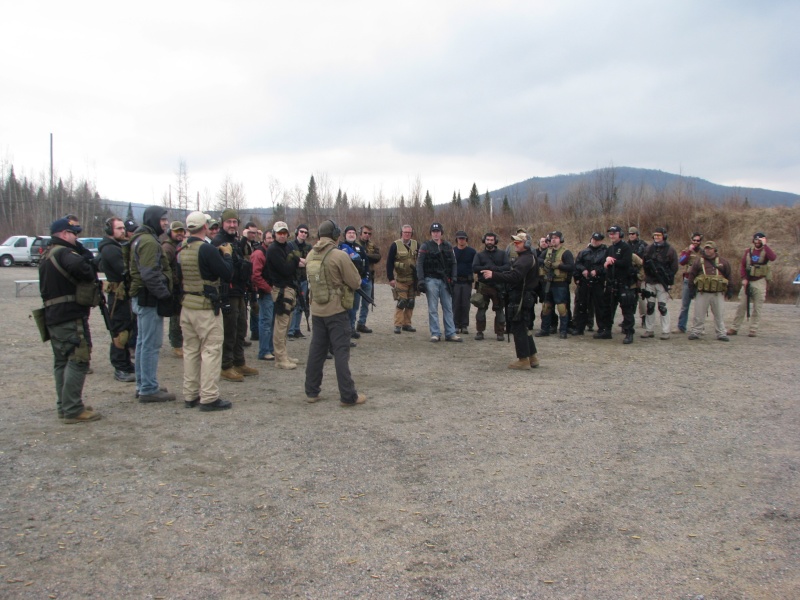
point(245, 370)
point(231, 375)
point(534, 361)
point(178, 352)
point(521, 364)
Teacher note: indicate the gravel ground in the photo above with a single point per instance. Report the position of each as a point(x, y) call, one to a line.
point(667, 469)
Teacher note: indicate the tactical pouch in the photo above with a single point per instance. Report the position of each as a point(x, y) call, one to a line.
point(627, 297)
point(38, 318)
point(479, 301)
point(348, 297)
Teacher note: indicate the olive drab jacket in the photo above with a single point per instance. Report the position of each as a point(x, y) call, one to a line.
point(340, 275)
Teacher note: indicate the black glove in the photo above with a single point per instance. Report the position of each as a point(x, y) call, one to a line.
point(421, 287)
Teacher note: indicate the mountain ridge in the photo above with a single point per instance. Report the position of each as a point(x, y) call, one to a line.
point(654, 180)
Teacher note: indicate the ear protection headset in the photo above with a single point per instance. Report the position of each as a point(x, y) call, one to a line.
point(487, 234)
point(108, 226)
point(662, 231)
point(336, 231)
point(560, 237)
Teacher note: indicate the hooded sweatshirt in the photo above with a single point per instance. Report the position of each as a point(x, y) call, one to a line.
point(151, 276)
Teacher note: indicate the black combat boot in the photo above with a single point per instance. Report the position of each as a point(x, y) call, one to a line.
point(628, 338)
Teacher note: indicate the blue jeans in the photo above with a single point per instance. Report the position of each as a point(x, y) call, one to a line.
point(362, 315)
point(266, 319)
point(686, 300)
point(148, 345)
point(297, 316)
point(436, 289)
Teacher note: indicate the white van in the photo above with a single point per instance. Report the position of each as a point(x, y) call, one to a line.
point(16, 249)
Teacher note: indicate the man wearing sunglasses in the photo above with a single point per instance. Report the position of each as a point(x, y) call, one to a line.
point(686, 259)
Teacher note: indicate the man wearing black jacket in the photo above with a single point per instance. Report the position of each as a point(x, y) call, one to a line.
point(589, 277)
point(65, 266)
point(618, 287)
point(496, 260)
point(282, 265)
point(522, 281)
point(119, 305)
point(235, 321)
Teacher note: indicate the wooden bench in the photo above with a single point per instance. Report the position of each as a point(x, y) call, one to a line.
point(24, 283)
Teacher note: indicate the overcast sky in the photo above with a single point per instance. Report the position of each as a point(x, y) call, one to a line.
point(375, 94)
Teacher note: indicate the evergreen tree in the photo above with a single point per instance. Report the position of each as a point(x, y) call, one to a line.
point(507, 207)
point(311, 205)
point(428, 202)
point(487, 203)
point(456, 201)
point(402, 202)
point(474, 197)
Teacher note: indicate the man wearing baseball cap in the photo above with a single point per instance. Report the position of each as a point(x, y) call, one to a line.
point(282, 265)
point(62, 270)
point(436, 271)
point(618, 283)
point(205, 269)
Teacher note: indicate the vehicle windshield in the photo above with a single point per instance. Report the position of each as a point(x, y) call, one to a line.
point(10, 241)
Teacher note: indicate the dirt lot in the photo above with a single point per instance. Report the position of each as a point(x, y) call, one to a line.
point(667, 469)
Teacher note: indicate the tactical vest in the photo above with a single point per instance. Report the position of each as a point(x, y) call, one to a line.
point(193, 281)
point(637, 266)
point(555, 256)
point(711, 284)
point(405, 262)
point(321, 291)
point(692, 257)
point(87, 293)
point(759, 269)
point(318, 285)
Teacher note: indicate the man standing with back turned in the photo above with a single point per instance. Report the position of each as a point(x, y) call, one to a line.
point(332, 279)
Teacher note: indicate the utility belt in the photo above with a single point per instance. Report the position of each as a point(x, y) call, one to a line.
point(86, 294)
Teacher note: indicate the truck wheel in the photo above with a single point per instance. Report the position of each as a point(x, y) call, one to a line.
point(6, 261)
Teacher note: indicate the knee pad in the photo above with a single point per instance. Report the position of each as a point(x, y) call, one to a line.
point(651, 308)
point(562, 310)
point(662, 308)
point(402, 303)
point(410, 303)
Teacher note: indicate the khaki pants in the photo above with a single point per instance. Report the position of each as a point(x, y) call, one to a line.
point(662, 296)
point(202, 354)
point(702, 303)
point(282, 322)
point(402, 316)
point(758, 289)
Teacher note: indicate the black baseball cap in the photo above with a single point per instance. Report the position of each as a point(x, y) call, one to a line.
point(598, 236)
point(614, 229)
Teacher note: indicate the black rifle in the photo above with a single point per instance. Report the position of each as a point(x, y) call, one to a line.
point(302, 304)
point(659, 271)
point(365, 298)
point(747, 293)
point(103, 306)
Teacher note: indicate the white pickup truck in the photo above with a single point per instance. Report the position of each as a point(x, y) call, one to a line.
point(16, 249)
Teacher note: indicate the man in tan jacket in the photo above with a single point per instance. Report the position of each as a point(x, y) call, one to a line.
point(332, 281)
